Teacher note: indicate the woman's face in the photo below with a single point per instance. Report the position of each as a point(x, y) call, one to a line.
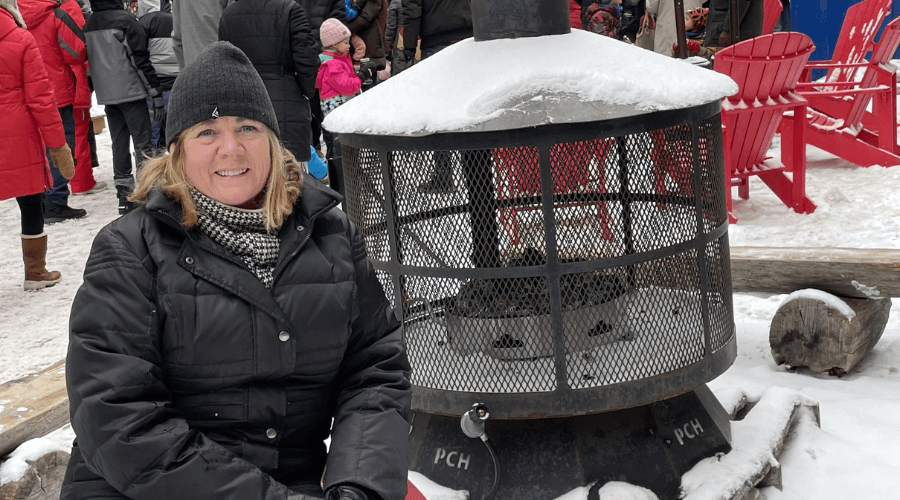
point(228, 159)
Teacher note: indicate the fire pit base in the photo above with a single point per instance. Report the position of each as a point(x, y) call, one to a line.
point(650, 446)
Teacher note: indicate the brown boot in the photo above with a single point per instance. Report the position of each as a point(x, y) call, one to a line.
point(34, 251)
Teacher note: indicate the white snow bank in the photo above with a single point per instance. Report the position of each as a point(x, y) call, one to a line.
point(616, 490)
point(14, 468)
point(433, 491)
point(752, 444)
point(471, 82)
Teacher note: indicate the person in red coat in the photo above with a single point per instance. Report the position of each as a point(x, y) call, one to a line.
point(575, 14)
point(83, 182)
point(56, 27)
point(29, 122)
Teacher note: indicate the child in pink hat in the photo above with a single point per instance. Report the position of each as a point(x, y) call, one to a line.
point(337, 81)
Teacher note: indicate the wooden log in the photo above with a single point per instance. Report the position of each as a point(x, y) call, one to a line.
point(42, 479)
point(844, 272)
point(825, 333)
point(33, 406)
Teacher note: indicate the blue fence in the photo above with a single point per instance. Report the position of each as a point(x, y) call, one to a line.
point(821, 20)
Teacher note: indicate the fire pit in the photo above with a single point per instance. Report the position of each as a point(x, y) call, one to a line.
point(575, 282)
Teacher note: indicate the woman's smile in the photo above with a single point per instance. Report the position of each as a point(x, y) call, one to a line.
point(232, 173)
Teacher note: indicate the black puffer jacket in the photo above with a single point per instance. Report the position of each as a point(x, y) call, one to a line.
point(317, 11)
point(435, 22)
point(369, 25)
point(276, 37)
point(187, 378)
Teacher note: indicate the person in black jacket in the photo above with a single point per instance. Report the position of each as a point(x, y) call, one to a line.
point(156, 19)
point(317, 11)
point(123, 79)
point(369, 25)
point(718, 27)
point(438, 23)
point(276, 37)
point(232, 323)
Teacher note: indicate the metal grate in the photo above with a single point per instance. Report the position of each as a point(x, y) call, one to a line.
point(569, 269)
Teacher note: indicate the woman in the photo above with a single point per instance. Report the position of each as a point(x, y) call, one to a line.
point(666, 34)
point(369, 25)
point(29, 121)
point(222, 326)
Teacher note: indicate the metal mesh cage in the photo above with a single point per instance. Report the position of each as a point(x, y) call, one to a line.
point(564, 269)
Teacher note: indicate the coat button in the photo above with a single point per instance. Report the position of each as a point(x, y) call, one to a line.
point(189, 261)
point(284, 336)
point(271, 433)
point(300, 228)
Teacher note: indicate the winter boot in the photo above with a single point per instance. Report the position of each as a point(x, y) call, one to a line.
point(125, 206)
point(34, 252)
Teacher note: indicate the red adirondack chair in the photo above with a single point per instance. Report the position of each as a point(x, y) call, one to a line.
point(518, 176)
point(858, 30)
point(766, 69)
point(771, 10)
point(837, 117)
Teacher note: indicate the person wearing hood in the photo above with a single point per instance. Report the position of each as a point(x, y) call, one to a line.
point(56, 27)
point(156, 19)
point(196, 25)
point(317, 11)
point(147, 6)
point(29, 120)
point(275, 35)
point(232, 323)
point(123, 78)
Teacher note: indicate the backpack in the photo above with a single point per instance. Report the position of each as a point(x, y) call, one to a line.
point(602, 19)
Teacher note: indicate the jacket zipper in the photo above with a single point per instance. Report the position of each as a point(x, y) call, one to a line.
point(312, 222)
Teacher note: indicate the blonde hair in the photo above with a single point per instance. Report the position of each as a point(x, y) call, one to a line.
point(166, 173)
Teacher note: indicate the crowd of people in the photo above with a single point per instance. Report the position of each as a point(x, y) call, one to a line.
point(312, 55)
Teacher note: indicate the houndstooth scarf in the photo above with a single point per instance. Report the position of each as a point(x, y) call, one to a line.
point(241, 231)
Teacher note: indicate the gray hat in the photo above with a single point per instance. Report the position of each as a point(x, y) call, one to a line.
point(221, 81)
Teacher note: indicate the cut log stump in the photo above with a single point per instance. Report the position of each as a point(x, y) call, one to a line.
point(825, 333)
point(42, 479)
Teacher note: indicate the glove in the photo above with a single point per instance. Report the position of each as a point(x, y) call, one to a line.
point(316, 165)
point(62, 160)
point(410, 55)
point(367, 72)
point(345, 492)
point(159, 108)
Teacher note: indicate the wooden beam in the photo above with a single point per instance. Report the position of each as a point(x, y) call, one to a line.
point(833, 270)
point(33, 406)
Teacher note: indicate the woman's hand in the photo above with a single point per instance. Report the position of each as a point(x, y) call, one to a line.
point(62, 160)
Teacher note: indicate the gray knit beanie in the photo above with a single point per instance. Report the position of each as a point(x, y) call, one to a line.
point(221, 81)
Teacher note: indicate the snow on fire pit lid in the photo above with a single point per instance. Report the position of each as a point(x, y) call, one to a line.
point(526, 82)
